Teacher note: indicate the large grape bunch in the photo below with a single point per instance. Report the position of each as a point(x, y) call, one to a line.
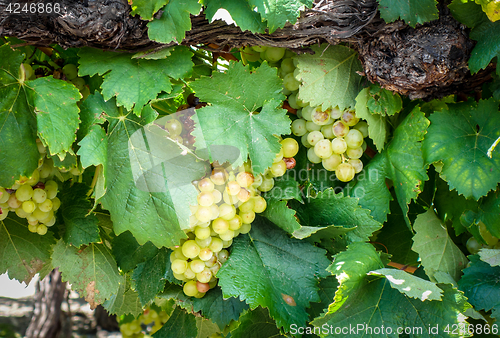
point(34, 198)
point(333, 137)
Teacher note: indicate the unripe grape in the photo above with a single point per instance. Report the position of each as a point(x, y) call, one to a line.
point(314, 137)
point(273, 54)
point(178, 253)
point(41, 229)
point(220, 225)
point(250, 54)
point(46, 206)
point(197, 265)
point(287, 65)
point(304, 141)
point(70, 71)
point(222, 256)
point(278, 169)
point(327, 131)
point(202, 233)
point(345, 172)
point(307, 113)
point(24, 193)
point(216, 245)
point(226, 236)
point(179, 266)
point(292, 99)
point(323, 149)
point(331, 163)
point(290, 82)
point(312, 157)
point(259, 49)
point(56, 203)
point(204, 276)
point(235, 222)
point(190, 249)
point(311, 126)
point(290, 147)
point(260, 204)
point(339, 145)
point(174, 127)
point(299, 127)
point(29, 206)
point(51, 189)
point(354, 138)
point(245, 228)
point(79, 83)
point(190, 289)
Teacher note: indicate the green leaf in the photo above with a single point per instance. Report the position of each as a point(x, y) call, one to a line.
point(81, 225)
point(487, 47)
point(150, 212)
point(489, 213)
point(436, 249)
point(93, 111)
point(134, 82)
point(327, 288)
point(56, 112)
point(285, 188)
point(279, 273)
point(23, 253)
point(460, 137)
point(17, 121)
point(241, 12)
point(383, 101)
point(174, 22)
point(150, 276)
point(402, 162)
point(129, 253)
point(279, 12)
point(218, 309)
point(146, 8)
point(480, 285)
point(411, 11)
point(469, 13)
point(410, 285)
point(329, 76)
point(377, 124)
point(256, 324)
point(91, 271)
point(94, 148)
point(206, 328)
point(232, 118)
point(125, 301)
point(179, 325)
point(281, 215)
point(330, 209)
point(490, 256)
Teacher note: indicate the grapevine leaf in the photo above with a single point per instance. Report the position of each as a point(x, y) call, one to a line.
point(150, 276)
point(125, 301)
point(487, 47)
point(56, 112)
point(480, 285)
point(401, 162)
point(328, 208)
point(436, 249)
point(411, 11)
point(256, 324)
point(489, 213)
point(241, 12)
point(205, 328)
point(81, 227)
point(329, 76)
point(327, 288)
point(218, 309)
point(93, 111)
point(460, 136)
point(377, 124)
point(129, 253)
point(281, 215)
point(281, 273)
point(174, 22)
point(180, 324)
point(134, 82)
point(91, 271)
point(490, 256)
point(383, 306)
point(144, 208)
point(279, 12)
point(17, 121)
point(411, 286)
point(469, 13)
point(383, 101)
point(94, 148)
point(23, 253)
point(285, 188)
point(146, 8)
point(232, 120)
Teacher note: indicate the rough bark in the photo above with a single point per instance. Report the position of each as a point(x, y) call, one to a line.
point(47, 320)
point(426, 62)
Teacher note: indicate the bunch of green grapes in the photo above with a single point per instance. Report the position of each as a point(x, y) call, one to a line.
point(70, 71)
point(145, 325)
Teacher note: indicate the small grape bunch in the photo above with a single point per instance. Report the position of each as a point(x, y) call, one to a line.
point(150, 321)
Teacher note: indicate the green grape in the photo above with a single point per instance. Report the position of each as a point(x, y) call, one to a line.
point(233, 188)
point(312, 157)
point(29, 206)
point(197, 265)
point(235, 222)
point(278, 169)
point(349, 118)
point(314, 137)
point(3, 214)
point(56, 203)
point(222, 256)
point(250, 54)
point(259, 49)
point(244, 195)
point(205, 198)
point(266, 185)
point(327, 131)
point(290, 82)
point(4, 195)
point(178, 253)
point(226, 236)
point(205, 254)
point(205, 275)
point(304, 141)
point(357, 164)
point(229, 199)
point(320, 117)
point(179, 266)
point(354, 152)
point(247, 206)
point(51, 189)
point(28, 71)
point(473, 246)
point(70, 71)
point(279, 156)
point(273, 54)
point(336, 113)
point(245, 228)
point(35, 177)
point(486, 235)
point(219, 176)
point(32, 227)
point(292, 101)
point(203, 214)
point(41, 229)
point(362, 126)
point(339, 145)
point(206, 185)
point(220, 225)
point(323, 149)
point(21, 213)
point(24, 193)
point(245, 179)
point(46, 206)
point(247, 217)
point(174, 127)
point(287, 65)
point(190, 249)
point(13, 202)
point(340, 129)
point(217, 196)
point(290, 147)
point(46, 168)
point(354, 138)
point(79, 83)
point(345, 172)
point(203, 243)
point(331, 163)
point(216, 245)
point(189, 274)
point(260, 204)
point(227, 211)
point(190, 288)
point(307, 113)
point(85, 92)
point(299, 127)
point(202, 233)
point(311, 126)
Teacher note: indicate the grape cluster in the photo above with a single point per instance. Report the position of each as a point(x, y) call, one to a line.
point(145, 325)
point(70, 71)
